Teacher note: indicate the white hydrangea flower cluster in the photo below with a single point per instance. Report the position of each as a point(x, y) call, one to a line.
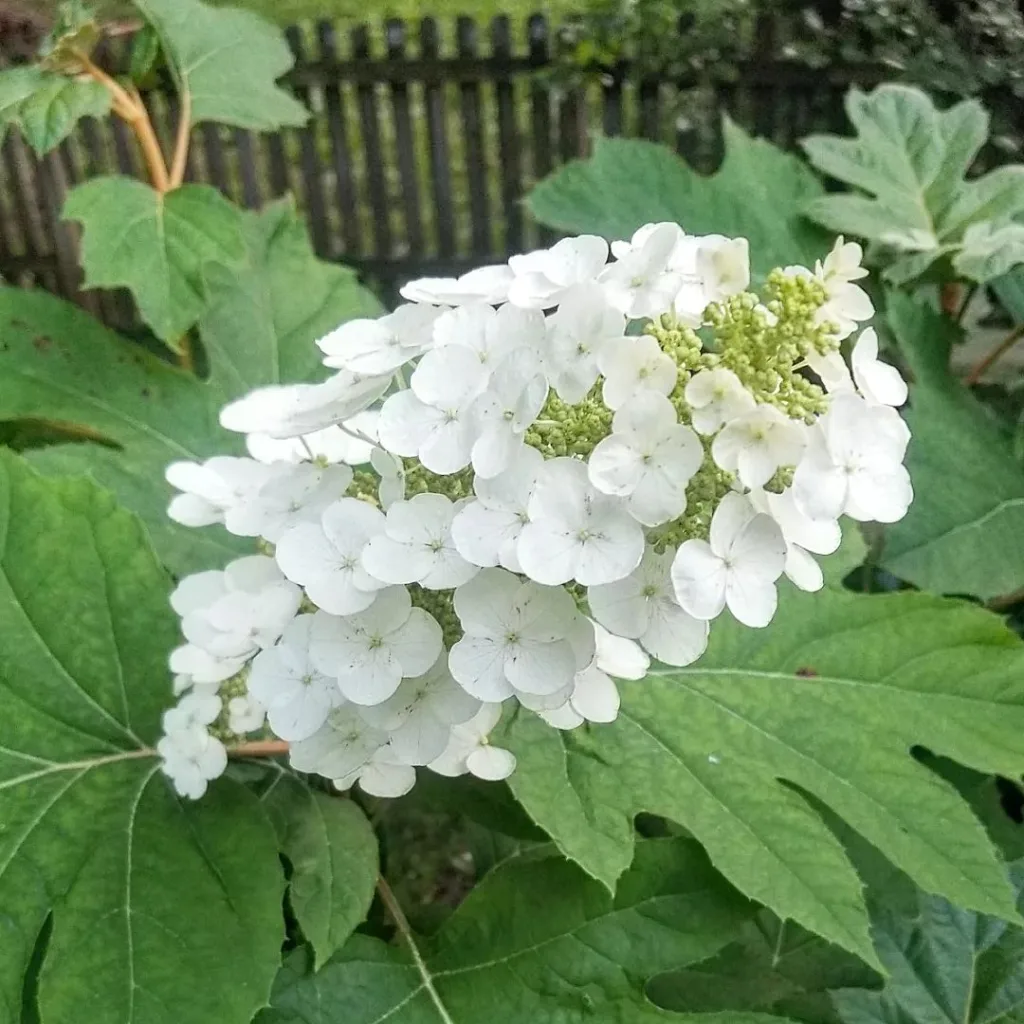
point(518, 487)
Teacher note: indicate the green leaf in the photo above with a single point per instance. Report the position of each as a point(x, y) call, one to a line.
point(964, 533)
point(333, 854)
point(944, 965)
point(228, 60)
point(909, 162)
point(719, 746)
point(156, 245)
point(46, 105)
point(759, 193)
point(57, 363)
point(989, 251)
point(535, 943)
point(151, 897)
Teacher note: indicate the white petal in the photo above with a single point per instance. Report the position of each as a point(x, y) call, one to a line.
point(541, 668)
point(417, 643)
point(751, 600)
point(478, 665)
point(596, 697)
point(673, 636)
point(699, 579)
point(491, 763)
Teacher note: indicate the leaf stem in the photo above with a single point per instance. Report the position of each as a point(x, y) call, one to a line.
point(389, 900)
point(993, 355)
point(969, 294)
point(181, 140)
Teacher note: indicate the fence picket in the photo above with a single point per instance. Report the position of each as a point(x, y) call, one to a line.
point(508, 136)
point(405, 143)
point(373, 153)
point(439, 150)
point(540, 110)
point(473, 137)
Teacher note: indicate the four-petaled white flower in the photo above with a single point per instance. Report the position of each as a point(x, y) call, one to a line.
point(415, 545)
point(716, 397)
point(325, 557)
point(470, 751)
point(643, 607)
point(878, 382)
point(518, 638)
point(245, 714)
point(632, 365)
point(649, 458)
point(298, 696)
point(853, 464)
point(640, 282)
point(341, 746)
point(575, 532)
point(382, 345)
point(349, 442)
point(370, 653)
point(484, 284)
point(757, 443)
point(847, 304)
point(191, 758)
point(485, 530)
point(802, 535)
point(384, 775)
point(212, 487)
point(542, 278)
point(737, 568)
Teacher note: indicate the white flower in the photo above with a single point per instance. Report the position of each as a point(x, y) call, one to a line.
point(757, 443)
point(802, 535)
point(640, 284)
point(517, 638)
point(514, 397)
point(542, 278)
point(193, 709)
point(485, 284)
point(853, 464)
point(298, 697)
point(349, 442)
point(245, 714)
point(643, 607)
point(341, 746)
point(578, 331)
point(202, 667)
point(878, 382)
point(575, 532)
point(369, 653)
point(234, 613)
point(391, 471)
point(325, 557)
point(415, 545)
point(468, 749)
point(293, 494)
point(191, 758)
point(632, 365)
point(485, 530)
point(738, 568)
point(212, 487)
point(383, 344)
point(649, 458)
point(595, 697)
point(712, 268)
point(716, 397)
point(384, 775)
point(847, 304)
point(292, 410)
point(832, 370)
point(420, 714)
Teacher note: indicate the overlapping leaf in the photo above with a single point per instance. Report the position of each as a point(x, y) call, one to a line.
point(146, 892)
point(759, 193)
point(535, 943)
point(157, 246)
point(59, 364)
point(909, 163)
point(832, 698)
point(228, 61)
point(46, 105)
point(964, 532)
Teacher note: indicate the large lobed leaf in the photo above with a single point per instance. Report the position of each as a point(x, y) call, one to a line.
point(535, 943)
point(156, 245)
point(46, 105)
point(58, 363)
point(831, 699)
point(964, 532)
point(147, 893)
point(908, 163)
point(228, 60)
point(759, 193)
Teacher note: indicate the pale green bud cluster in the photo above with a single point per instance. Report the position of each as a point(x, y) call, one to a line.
point(563, 429)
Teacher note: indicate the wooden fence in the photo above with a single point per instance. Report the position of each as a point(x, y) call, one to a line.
point(419, 148)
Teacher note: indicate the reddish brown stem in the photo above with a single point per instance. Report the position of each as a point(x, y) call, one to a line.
point(993, 355)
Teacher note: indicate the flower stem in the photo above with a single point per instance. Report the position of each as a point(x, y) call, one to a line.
point(181, 139)
point(993, 355)
point(259, 748)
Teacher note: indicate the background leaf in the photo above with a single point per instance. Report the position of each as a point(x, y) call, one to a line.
point(535, 943)
point(155, 245)
point(46, 105)
point(59, 364)
point(145, 891)
point(759, 193)
point(707, 746)
point(229, 60)
point(964, 532)
point(333, 855)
